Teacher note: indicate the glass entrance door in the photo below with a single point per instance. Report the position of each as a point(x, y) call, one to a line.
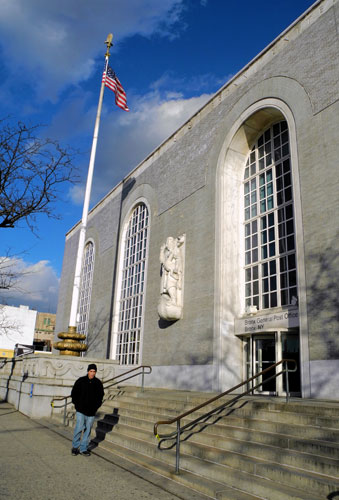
point(290, 350)
point(264, 351)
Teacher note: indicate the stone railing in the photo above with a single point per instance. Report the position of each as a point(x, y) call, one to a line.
point(30, 382)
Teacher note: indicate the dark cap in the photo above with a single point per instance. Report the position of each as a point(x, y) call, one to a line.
point(92, 367)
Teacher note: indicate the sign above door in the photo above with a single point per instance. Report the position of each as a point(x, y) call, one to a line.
point(267, 322)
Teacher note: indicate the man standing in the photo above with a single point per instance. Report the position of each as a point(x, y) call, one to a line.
point(87, 394)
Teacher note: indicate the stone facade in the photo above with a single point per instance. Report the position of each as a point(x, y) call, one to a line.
point(193, 186)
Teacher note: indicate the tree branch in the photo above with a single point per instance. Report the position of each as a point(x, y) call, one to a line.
point(32, 171)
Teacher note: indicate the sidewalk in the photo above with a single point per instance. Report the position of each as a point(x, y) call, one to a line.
point(36, 463)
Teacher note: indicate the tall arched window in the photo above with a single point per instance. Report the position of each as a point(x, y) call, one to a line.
point(270, 255)
point(85, 289)
point(132, 278)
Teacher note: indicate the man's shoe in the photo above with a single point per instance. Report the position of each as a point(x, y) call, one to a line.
point(75, 451)
point(85, 453)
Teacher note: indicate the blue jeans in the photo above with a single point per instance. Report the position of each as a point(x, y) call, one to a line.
point(83, 426)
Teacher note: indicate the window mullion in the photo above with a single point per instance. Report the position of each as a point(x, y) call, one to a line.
point(268, 168)
point(276, 234)
point(131, 293)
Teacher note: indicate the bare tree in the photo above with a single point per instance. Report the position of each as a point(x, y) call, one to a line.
point(32, 171)
point(7, 274)
point(9, 326)
point(11, 271)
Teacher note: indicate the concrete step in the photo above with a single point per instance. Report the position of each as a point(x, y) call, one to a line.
point(141, 441)
point(125, 461)
point(162, 394)
point(195, 482)
point(169, 398)
point(295, 405)
point(236, 438)
point(176, 400)
point(258, 448)
point(259, 485)
point(289, 417)
point(227, 477)
point(177, 406)
point(322, 443)
point(273, 454)
point(235, 417)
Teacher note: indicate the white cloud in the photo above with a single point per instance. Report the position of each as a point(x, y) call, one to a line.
point(37, 285)
point(55, 44)
point(192, 85)
point(77, 193)
point(125, 139)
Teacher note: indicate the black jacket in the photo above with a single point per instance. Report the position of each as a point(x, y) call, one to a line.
point(87, 395)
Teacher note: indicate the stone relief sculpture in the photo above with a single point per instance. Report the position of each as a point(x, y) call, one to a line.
point(172, 256)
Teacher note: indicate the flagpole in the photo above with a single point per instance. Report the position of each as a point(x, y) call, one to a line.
point(83, 227)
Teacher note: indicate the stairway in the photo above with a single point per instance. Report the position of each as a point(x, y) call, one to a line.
point(259, 448)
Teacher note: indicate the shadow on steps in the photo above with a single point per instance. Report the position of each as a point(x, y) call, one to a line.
point(104, 426)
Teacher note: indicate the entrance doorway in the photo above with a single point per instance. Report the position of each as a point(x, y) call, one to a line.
point(265, 356)
point(290, 350)
point(263, 351)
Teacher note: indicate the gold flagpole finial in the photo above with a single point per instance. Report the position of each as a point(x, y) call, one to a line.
point(109, 44)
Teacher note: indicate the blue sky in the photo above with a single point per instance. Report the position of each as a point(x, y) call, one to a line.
point(170, 55)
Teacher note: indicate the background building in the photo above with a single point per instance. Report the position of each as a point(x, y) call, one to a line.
point(217, 256)
point(21, 325)
point(44, 331)
point(17, 326)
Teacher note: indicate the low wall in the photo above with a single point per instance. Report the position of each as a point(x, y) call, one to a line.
point(32, 381)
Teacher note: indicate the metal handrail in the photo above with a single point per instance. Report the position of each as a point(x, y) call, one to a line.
point(135, 375)
point(143, 367)
point(176, 434)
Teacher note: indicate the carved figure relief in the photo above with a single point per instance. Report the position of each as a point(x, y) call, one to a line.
point(172, 256)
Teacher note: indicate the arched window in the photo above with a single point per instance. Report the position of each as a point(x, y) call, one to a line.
point(132, 280)
point(85, 289)
point(270, 251)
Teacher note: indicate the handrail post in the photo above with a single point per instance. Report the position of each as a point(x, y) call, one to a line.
point(177, 454)
point(65, 412)
point(142, 379)
point(287, 382)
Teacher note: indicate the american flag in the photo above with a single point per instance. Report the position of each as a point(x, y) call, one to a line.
point(112, 82)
